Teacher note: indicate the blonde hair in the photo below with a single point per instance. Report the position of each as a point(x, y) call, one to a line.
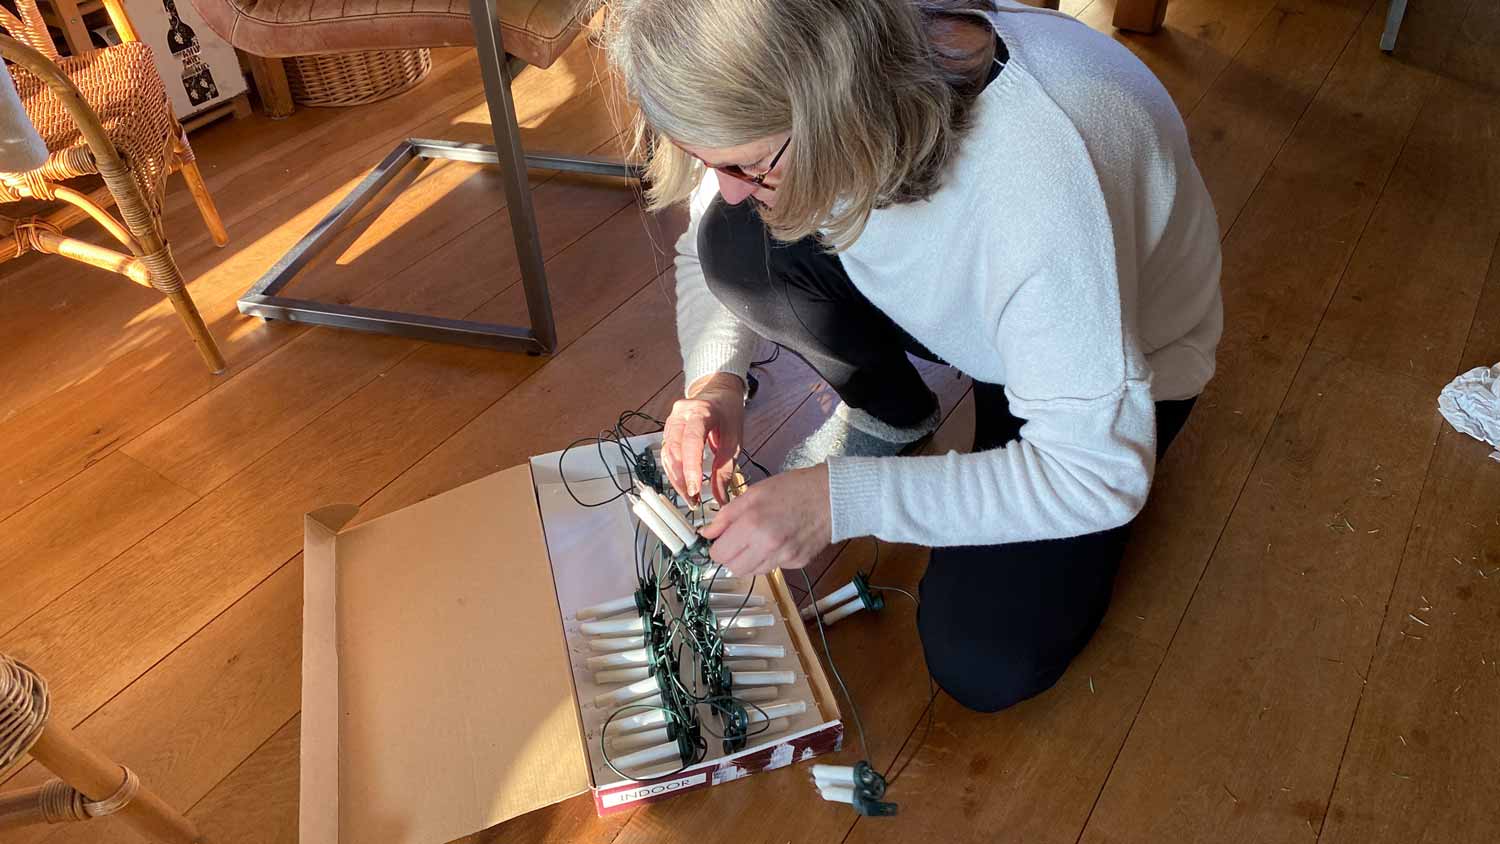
point(875, 106)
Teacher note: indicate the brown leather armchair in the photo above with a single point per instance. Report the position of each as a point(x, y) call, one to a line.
point(504, 33)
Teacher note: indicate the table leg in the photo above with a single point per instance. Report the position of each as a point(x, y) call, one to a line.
point(1140, 15)
point(75, 32)
point(494, 67)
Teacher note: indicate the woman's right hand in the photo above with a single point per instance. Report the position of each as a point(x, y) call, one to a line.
point(713, 414)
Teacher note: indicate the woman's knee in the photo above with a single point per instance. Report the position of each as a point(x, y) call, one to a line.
point(994, 678)
point(1000, 624)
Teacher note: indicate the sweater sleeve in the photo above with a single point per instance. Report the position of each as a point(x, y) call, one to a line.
point(1080, 466)
point(1074, 374)
point(712, 339)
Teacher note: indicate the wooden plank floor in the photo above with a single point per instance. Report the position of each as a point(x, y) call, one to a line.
point(1305, 641)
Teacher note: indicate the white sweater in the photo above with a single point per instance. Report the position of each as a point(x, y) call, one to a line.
point(1072, 255)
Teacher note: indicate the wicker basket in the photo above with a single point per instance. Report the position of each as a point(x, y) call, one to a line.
point(348, 79)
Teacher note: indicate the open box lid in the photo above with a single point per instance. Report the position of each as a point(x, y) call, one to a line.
point(437, 700)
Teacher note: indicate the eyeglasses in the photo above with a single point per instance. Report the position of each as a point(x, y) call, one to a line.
point(734, 171)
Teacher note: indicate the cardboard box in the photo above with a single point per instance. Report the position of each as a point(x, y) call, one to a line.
point(443, 685)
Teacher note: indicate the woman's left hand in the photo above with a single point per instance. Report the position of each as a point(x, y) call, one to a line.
point(781, 522)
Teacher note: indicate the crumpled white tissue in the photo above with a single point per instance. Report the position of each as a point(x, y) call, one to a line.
point(1471, 404)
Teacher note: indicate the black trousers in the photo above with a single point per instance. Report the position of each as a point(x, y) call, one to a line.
point(999, 623)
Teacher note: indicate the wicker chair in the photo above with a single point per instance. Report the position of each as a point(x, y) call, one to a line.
point(91, 785)
point(104, 113)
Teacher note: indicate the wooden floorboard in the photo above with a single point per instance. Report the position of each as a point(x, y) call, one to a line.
point(1196, 43)
point(1282, 261)
point(1242, 734)
point(63, 538)
point(224, 543)
point(1420, 738)
point(1303, 638)
point(257, 802)
point(1238, 127)
point(1423, 739)
point(85, 417)
point(204, 708)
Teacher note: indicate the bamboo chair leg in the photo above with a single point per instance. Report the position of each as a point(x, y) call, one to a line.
point(194, 178)
point(173, 287)
point(205, 201)
point(21, 807)
point(200, 195)
point(90, 772)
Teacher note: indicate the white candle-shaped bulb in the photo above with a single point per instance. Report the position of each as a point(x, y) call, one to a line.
point(624, 659)
point(738, 665)
point(613, 626)
point(608, 608)
point(645, 719)
point(841, 613)
point(670, 516)
point(760, 731)
point(634, 741)
point(617, 643)
point(738, 635)
point(833, 775)
point(772, 711)
point(649, 700)
point(653, 523)
point(619, 659)
point(837, 794)
point(829, 601)
point(730, 600)
point(745, 620)
point(621, 675)
point(758, 694)
point(615, 697)
point(648, 756)
point(764, 678)
point(653, 773)
point(769, 651)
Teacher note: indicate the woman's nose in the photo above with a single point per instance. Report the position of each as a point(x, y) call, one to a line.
point(734, 190)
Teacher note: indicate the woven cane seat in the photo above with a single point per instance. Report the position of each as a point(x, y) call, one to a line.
point(536, 31)
point(123, 87)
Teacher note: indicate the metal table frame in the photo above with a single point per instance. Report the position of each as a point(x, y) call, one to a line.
point(264, 299)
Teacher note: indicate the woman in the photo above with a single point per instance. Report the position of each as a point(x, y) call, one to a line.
point(993, 186)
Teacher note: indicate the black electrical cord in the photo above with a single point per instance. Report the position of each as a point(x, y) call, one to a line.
point(864, 744)
point(688, 631)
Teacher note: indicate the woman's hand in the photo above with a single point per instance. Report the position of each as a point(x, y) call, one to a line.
point(712, 414)
point(781, 522)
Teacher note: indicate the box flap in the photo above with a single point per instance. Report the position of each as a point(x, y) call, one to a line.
point(320, 670)
point(454, 705)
